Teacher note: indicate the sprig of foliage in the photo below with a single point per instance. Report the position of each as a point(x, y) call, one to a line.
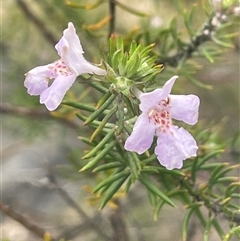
point(121, 169)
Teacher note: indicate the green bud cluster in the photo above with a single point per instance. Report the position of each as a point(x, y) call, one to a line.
point(128, 68)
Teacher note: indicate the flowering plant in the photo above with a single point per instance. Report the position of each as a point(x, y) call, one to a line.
point(64, 71)
point(129, 118)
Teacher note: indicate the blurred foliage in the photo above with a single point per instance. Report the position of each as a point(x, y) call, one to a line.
point(208, 185)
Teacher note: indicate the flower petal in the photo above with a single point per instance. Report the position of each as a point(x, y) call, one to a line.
point(72, 53)
point(60, 45)
point(151, 99)
point(73, 39)
point(174, 147)
point(53, 96)
point(142, 136)
point(185, 108)
point(37, 79)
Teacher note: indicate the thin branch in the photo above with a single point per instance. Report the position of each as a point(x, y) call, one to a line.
point(118, 224)
point(201, 37)
point(209, 203)
point(38, 231)
point(112, 10)
point(74, 231)
point(38, 23)
point(23, 111)
point(75, 206)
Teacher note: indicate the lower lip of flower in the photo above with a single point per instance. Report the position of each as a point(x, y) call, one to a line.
point(60, 68)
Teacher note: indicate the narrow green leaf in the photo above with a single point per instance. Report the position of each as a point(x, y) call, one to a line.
point(99, 157)
point(149, 169)
point(194, 205)
point(130, 10)
point(104, 188)
point(111, 49)
point(144, 71)
point(120, 115)
point(84, 6)
point(207, 229)
point(117, 157)
point(153, 199)
point(149, 80)
point(134, 51)
point(207, 55)
point(147, 50)
point(210, 166)
point(200, 216)
point(111, 191)
point(103, 100)
point(234, 206)
point(170, 172)
point(236, 195)
point(98, 25)
point(116, 59)
point(87, 141)
point(120, 44)
point(186, 224)
point(218, 228)
point(128, 185)
point(231, 188)
point(95, 123)
point(79, 106)
point(133, 47)
point(227, 179)
point(150, 159)
point(188, 20)
point(108, 166)
point(100, 145)
point(198, 83)
point(129, 106)
point(213, 178)
point(111, 179)
point(171, 193)
point(157, 209)
point(173, 28)
point(227, 169)
point(134, 164)
point(122, 64)
point(128, 129)
point(222, 43)
point(98, 87)
point(225, 201)
point(104, 121)
point(151, 187)
point(231, 35)
point(95, 114)
point(207, 157)
point(81, 116)
point(132, 65)
point(194, 170)
point(233, 231)
point(120, 49)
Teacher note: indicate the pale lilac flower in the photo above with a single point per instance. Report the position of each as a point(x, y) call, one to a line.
point(64, 71)
point(158, 107)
